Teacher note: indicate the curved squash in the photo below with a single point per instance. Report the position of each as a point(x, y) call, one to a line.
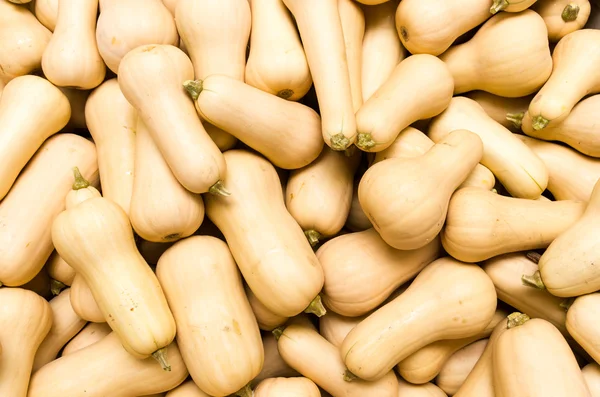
point(563, 16)
point(266, 319)
point(506, 111)
point(90, 334)
point(581, 323)
point(510, 5)
point(456, 370)
point(274, 366)
point(425, 390)
point(60, 270)
point(352, 19)
point(287, 387)
point(335, 328)
point(187, 389)
point(83, 302)
point(591, 375)
point(46, 11)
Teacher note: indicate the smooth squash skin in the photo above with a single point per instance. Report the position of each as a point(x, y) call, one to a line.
point(515, 165)
point(216, 329)
point(506, 111)
point(275, 258)
point(361, 270)
point(71, 58)
point(169, 114)
point(425, 390)
point(563, 16)
point(335, 328)
point(322, 36)
point(83, 302)
point(143, 322)
point(46, 11)
point(357, 221)
point(90, 334)
point(372, 2)
point(420, 87)
point(35, 199)
point(448, 300)
point(274, 366)
point(573, 77)
point(381, 47)
point(276, 63)
point(314, 357)
point(456, 370)
point(431, 26)
point(287, 387)
point(187, 389)
point(581, 323)
point(591, 375)
point(508, 56)
point(406, 199)
point(84, 373)
point(511, 5)
point(266, 319)
point(60, 270)
point(31, 110)
point(65, 325)
point(287, 133)
point(352, 18)
point(533, 359)
point(125, 25)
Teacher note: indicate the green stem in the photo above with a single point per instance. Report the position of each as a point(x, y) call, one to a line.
point(316, 307)
point(80, 181)
point(516, 119)
point(56, 286)
point(498, 6)
point(219, 189)
point(539, 123)
point(161, 356)
point(339, 142)
point(365, 142)
point(349, 376)
point(350, 151)
point(533, 256)
point(245, 391)
point(566, 304)
point(570, 12)
point(313, 237)
point(277, 332)
point(193, 87)
point(533, 281)
point(515, 319)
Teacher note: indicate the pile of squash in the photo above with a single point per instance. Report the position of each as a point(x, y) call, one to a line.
point(299, 198)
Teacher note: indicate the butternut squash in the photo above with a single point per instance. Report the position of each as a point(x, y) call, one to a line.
point(508, 56)
point(572, 78)
point(361, 270)
point(276, 63)
point(425, 390)
point(214, 319)
point(506, 111)
point(46, 11)
point(482, 224)
point(187, 389)
point(381, 47)
point(125, 25)
point(274, 366)
point(536, 351)
point(83, 302)
point(25, 320)
point(456, 370)
point(35, 199)
point(420, 87)
point(335, 328)
point(60, 270)
point(71, 58)
point(372, 2)
point(352, 19)
point(415, 208)
point(287, 387)
point(65, 325)
point(581, 323)
point(315, 358)
point(510, 5)
point(31, 110)
point(448, 300)
point(357, 221)
point(430, 27)
point(266, 319)
point(322, 36)
point(563, 16)
point(515, 165)
point(192, 156)
point(84, 373)
point(90, 334)
point(171, 5)
point(591, 375)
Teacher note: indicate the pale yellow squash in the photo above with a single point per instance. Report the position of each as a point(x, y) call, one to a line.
point(563, 16)
point(353, 28)
point(591, 375)
point(171, 5)
point(83, 301)
point(456, 370)
point(287, 387)
point(582, 323)
point(187, 389)
point(46, 11)
point(274, 366)
point(425, 390)
point(510, 5)
point(90, 334)
point(60, 270)
point(335, 327)
point(266, 319)
point(507, 111)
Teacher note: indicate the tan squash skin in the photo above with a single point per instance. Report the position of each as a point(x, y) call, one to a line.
point(411, 214)
point(144, 322)
point(361, 270)
point(171, 5)
point(125, 25)
point(533, 360)
point(421, 316)
point(357, 221)
point(19, 26)
point(60, 270)
point(36, 198)
point(31, 110)
point(216, 329)
point(71, 58)
point(187, 389)
point(46, 11)
point(314, 357)
point(419, 88)
point(319, 195)
point(431, 26)
point(577, 130)
point(591, 375)
point(573, 77)
point(352, 19)
point(381, 47)
point(335, 328)
point(322, 36)
point(515, 165)
point(425, 364)
point(65, 325)
point(506, 111)
point(287, 133)
point(456, 370)
point(25, 320)
point(576, 14)
point(287, 387)
point(106, 359)
point(266, 319)
point(83, 302)
point(509, 56)
point(482, 224)
point(277, 261)
point(169, 114)
point(425, 390)
point(90, 334)
point(274, 366)
point(372, 2)
point(112, 121)
point(581, 323)
point(276, 63)
point(161, 209)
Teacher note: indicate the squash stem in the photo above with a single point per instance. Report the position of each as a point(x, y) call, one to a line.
point(161, 356)
point(570, 12)
point(566, 304)
point(515, 319)
point(193, 87)
point(56, 286)
point(498, 6)
point(365, 141)
point(339, 142)
point(533, 256)
point(316, 307)
point(219, 189)
point(245, 391)
point(349, 376)
point(285, 94)
point(516, 119)
point(534, 280)
point(313, 237)
point(539, 123)
point(277, 332)
point(80, 181)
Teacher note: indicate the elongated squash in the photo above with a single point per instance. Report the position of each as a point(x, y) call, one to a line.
point(507, 111)
point(425, 390)
point(83, 301)
point(563, 16)
point(352, 19)
point(274, 366)
point(287, 387)
point(335, 328)
point(266, 319)
point(456, 370)
point(60, 270)
point(591, 375)
point(90, 334)
point(46, 11)
point(581, 323)
point(187, 389)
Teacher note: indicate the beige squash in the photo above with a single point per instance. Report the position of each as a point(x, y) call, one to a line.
point(361, 270)
point(420, 87)
point(83, 301)
point(170, 116)
point(31, 110)
point(456, 370)
point(187, 389)
point(322, 36)
point(448, 300)
point(510, 5)
point(171, 5)
point(287, 387)
point(46, 11)
point(425, 390)
point(506, 111)
point(353, 28)
point(335, 327)
point(508, 56)
point(60, 270)
point(216, 329)
point(356, 221)
point(581, 323)
point(563, 16)
point(372, 2)
point(84, 373)
point(90, 334)
point(266, 319)
point(515, 165)
point(591, 375)
point(411, 214)
point(274, 366)
point(276, 62)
